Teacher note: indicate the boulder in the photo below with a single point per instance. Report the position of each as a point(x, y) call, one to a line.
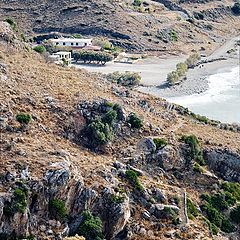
point(147, 146)
point(224, 163)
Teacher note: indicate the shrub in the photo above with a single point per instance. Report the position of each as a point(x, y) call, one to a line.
point(181, 69)
point(213, 209)
point(191, 209)
point(110, 117)
point(77, 35)
point(160, 143)
point(135, 121)
point(40, 49)
point(18, 203)
point(173, 77)
point(99, 133)
point(195, 152)
point(91, 227)
point(57, 209)
point(233, 188)
point(197, 168)
point(236, 8)
point(23, 118)
point(137, 3)
point(235, 214)
point(132, 176)
point(118, 199)
point(173, 36)
point(125, 79)
point(192, 60)
point(119, 111)
point(11, 22)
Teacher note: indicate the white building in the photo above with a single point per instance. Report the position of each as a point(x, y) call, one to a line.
point(63, 57)
point(72, 42)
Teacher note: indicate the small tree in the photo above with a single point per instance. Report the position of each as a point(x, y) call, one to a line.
point(40, 49)
point(99, 133)
point(172, 77)
point(57, 209)
point(91, 227)
point(135, 121)
point(192, 60)
point(132, 176)
point(23, 118)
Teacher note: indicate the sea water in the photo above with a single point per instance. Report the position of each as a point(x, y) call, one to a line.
point(220, 102)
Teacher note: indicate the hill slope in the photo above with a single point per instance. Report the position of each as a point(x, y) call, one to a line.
point(160, 25)
point(47, 160)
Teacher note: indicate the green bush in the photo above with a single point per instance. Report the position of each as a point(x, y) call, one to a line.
point(192, 60)
point(23, 118)
point(192, 210)
point(214, 207)
point(135, 121)
point(57, 209)
point(197, 168)
point(119, 111)
point(173, 35)
point(91, 227)
point(11, 22)
point(173, 77)
point(99, 133)
point(125, 79)
point(40, 49)
point(160, 143)
point(195, 152)
point(235, 214)
point(236, 8)
point(137, 3)
point(110, 117)
point(18, 203)
point(132, 176)
point(233, 188)
point(181, 69)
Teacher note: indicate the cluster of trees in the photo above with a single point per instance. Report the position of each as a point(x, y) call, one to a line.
point(92, 57)
point(125, 79)
point(181, 69)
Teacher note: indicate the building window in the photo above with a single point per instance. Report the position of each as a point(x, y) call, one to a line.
point(85, 44)
point(76, 44)
point(72, 44)
point(64, 44)
point(57, 43)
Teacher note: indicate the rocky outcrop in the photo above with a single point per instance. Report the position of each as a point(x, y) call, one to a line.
point(25, 206)
point(224, 163)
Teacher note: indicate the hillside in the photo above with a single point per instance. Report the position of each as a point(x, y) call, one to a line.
point(159, 26)
point(50, 170)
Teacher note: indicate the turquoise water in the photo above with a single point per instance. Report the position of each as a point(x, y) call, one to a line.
point(220, 102)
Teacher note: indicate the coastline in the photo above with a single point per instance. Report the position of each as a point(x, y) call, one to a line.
point(196, 82)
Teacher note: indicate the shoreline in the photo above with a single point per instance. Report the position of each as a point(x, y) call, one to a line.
point(196, 82)
point(197, 78)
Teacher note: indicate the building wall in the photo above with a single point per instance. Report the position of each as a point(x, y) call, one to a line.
point(72, 44)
